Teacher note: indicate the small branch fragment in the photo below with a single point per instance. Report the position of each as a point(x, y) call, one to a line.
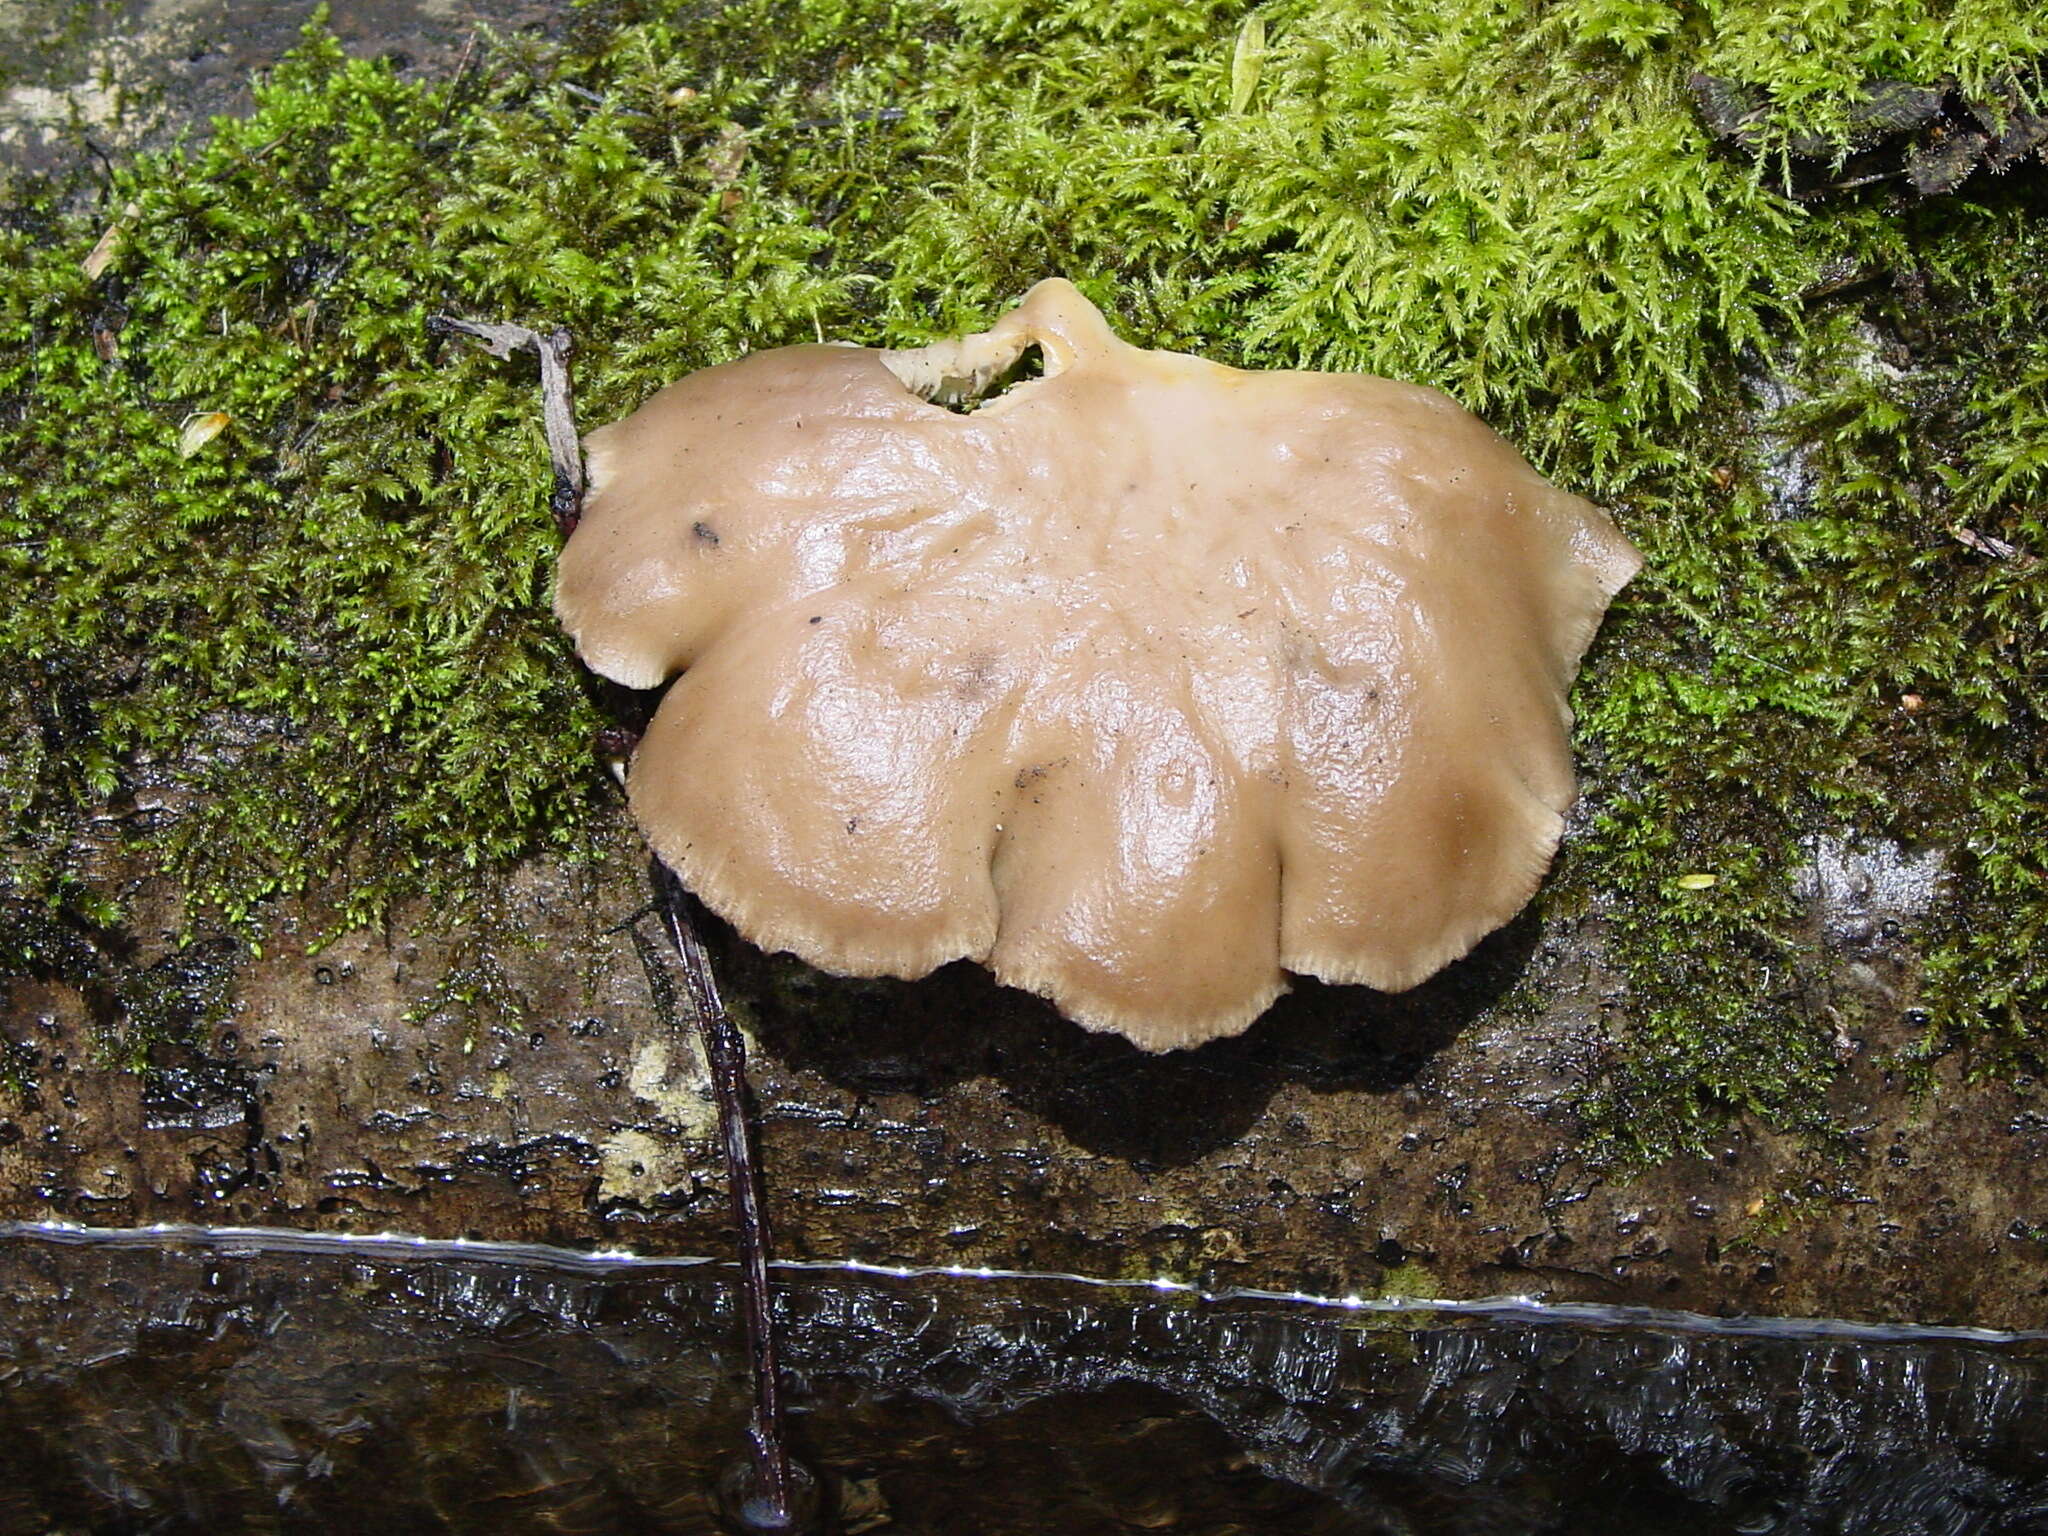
point(1932, 137)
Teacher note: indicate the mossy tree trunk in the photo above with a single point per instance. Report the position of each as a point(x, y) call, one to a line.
point(317, 912)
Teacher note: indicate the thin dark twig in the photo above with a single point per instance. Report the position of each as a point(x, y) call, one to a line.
point(106, 168)
point(454, 93)
point(727, 1053)
point(773, 1506)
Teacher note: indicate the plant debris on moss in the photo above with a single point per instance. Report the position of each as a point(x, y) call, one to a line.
point(277, 559)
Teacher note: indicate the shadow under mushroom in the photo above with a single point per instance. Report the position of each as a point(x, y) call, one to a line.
point(873, 1036)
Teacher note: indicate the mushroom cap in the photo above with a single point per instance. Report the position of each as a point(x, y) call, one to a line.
point(1144, 683)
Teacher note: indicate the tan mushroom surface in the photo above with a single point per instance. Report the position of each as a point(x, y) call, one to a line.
point(1143, 683)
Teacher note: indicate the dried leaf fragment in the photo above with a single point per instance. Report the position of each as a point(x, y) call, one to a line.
point(201, 428)
point(727, 157)
point(1247, 63)
point(1985, 543)
point(109, 245)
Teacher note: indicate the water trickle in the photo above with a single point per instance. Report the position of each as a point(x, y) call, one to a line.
point(214, 1380)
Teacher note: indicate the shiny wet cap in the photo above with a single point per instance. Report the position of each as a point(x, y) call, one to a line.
point(1142, 682)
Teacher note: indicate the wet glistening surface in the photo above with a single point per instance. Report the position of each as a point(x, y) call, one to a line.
point(186, 1379)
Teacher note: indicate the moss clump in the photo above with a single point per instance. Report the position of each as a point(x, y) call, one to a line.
point(324, 633)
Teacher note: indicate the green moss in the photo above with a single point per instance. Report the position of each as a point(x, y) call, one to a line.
point(1410, 1281)
point(324, 633)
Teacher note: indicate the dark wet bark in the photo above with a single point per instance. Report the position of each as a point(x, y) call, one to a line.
point(1347, 1142)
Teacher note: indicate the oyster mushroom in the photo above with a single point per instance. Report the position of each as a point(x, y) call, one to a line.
point(1144, 683)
